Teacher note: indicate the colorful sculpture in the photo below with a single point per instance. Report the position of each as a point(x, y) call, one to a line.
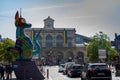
point(24, 45)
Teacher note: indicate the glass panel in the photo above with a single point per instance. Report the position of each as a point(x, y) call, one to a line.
point(49, 41)
point(59, 41)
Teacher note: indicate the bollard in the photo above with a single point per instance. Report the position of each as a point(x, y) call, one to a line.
point(47, 73)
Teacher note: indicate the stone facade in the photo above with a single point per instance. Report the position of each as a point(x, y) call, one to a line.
point(58, 44)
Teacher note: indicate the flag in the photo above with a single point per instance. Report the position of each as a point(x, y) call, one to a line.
point(32, 36)
point(65, 36)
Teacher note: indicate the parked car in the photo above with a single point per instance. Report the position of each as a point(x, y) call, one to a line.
point(74, 70)
point(61, 67)
point(67, 65)
point(96, 71)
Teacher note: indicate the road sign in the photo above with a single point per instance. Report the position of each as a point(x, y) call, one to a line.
point(102, 52)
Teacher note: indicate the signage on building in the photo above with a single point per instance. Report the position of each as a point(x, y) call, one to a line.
point(101, 52)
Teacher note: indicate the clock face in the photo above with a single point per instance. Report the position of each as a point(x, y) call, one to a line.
point(48, 25)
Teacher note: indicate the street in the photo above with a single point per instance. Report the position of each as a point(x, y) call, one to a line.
point(55, 75)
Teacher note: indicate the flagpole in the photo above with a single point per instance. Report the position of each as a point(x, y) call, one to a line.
point(20, 13)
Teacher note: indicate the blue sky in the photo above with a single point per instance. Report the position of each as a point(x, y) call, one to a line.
point(88, 17)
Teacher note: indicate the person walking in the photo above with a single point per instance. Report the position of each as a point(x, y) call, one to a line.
point(2, 72)
point(9, 70)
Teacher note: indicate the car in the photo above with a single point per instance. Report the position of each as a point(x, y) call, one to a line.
point(75, 70)
point(67, 65)
point(97, 71)
point(61, 67)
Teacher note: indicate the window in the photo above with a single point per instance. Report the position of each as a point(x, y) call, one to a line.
point(49, 41)
point(59, 41)
point(69, 42)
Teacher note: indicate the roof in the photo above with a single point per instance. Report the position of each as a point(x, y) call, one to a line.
point(81, 39)
point(49, 18)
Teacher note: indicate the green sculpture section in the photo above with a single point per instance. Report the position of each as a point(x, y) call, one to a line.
point(24, 45)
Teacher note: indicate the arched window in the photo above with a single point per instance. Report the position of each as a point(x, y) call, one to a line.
point(49, 41)
point(59, 41)
point(69, 42)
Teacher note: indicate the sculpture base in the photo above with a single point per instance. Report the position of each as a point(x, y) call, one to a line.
point(27, 70)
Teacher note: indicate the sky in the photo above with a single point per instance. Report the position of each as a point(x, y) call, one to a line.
point(88, 17)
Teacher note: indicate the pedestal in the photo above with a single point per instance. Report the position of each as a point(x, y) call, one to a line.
point(27, 70)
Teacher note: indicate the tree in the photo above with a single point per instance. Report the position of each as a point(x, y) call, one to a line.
point(7, 56)
point(97, 40)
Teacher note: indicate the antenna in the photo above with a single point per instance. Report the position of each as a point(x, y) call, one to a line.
point(20, 13)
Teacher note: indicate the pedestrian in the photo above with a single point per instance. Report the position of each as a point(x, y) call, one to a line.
point(9, 70)
point(2, 71)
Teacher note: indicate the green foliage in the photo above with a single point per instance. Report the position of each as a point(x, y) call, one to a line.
point(97, 40)
point(92, 51)
point(4, 54)
point(113, 54)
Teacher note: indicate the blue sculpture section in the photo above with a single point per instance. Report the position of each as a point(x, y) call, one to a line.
point(24, 45)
